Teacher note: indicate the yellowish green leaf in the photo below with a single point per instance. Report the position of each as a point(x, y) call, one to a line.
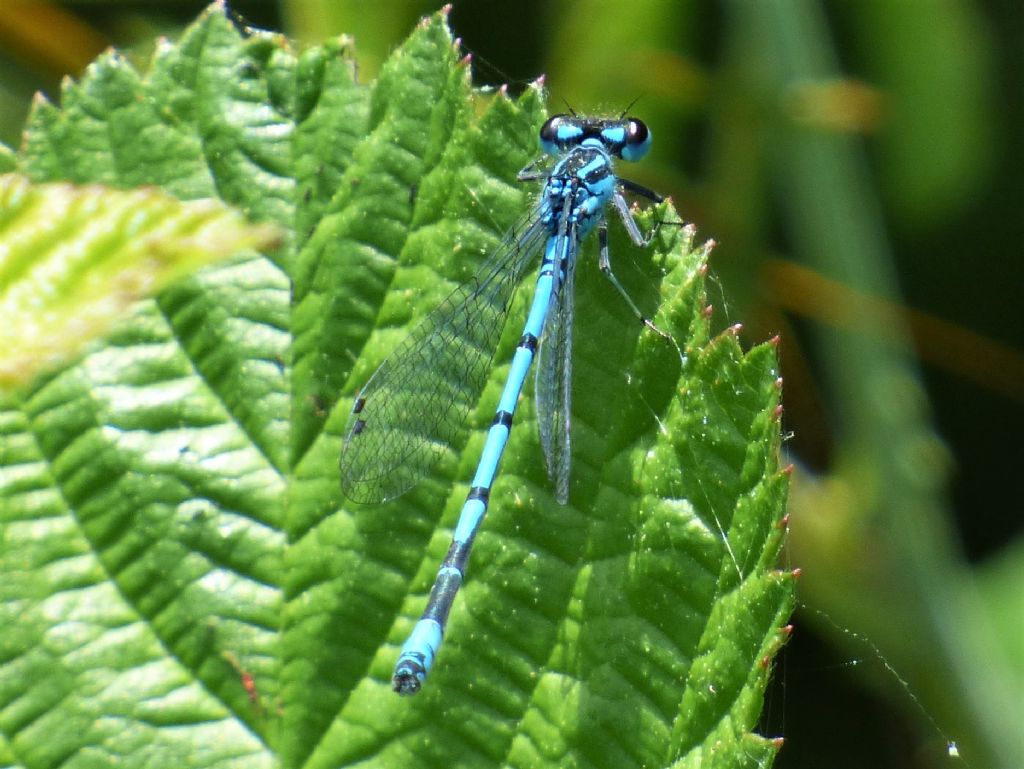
point(74, 257)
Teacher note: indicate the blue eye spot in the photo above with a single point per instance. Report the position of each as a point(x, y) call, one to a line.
point(614, 135)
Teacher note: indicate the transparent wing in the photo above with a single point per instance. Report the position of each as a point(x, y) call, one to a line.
point(554, 381)
point(417, 402)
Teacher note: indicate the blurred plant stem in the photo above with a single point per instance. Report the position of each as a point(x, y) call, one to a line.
point(48, 38)
point(876, 532)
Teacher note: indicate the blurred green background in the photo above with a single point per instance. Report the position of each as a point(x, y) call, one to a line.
point(860, 164)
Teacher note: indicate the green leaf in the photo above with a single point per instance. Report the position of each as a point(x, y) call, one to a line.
point(75, 258)
point(183, 583)
point(8, 161)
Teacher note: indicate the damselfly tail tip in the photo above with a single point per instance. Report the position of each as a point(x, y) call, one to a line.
point(405, 683)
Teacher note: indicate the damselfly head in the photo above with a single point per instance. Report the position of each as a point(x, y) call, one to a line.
point(626, 137)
